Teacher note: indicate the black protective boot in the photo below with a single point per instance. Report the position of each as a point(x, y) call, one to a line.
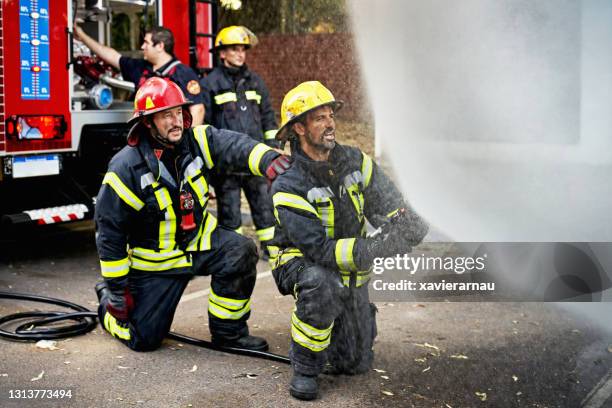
point(102, 290)
point(246, 342)
point(304, 387)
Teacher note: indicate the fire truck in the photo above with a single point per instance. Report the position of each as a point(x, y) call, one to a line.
point(63, 112)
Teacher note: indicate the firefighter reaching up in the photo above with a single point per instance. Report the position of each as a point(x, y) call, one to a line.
point(236, 98)
point(320, 251)
point(159, 60)
point(154, 232)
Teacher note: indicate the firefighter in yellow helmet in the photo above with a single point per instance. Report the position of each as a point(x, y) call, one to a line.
point(320, 252)
point(237, 99)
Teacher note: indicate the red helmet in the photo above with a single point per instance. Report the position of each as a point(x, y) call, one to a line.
point(155, 95)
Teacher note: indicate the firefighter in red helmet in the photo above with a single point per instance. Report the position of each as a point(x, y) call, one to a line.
point(154, 232)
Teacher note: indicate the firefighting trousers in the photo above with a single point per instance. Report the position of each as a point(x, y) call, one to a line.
point(331, 323)
point(231, 262)
point(227, 189)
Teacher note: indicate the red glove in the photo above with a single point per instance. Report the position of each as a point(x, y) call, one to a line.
point(278, 166)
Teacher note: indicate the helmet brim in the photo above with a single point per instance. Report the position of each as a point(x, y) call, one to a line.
point(141, 114)
point(137, 126)
point(281, 135)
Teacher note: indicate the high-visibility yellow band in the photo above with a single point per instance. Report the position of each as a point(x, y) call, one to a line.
point(158, 261)
point(270, 134)
point(228, 303)
point(255, 157)
point(112, 326)
point(362, 277)
point(308, 336)
point(311, 331)
point(123, 191)
point(115, 269)
point(366, 169)
point(344, 254)
point(227, 308)
point(392, 213)
point(293, 201)
point(253, 96)
point(225, 98)
point(199, 133)
point(265, 234)
point(238, 230)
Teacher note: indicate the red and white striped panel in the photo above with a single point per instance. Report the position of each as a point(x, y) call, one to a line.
point(54, 215)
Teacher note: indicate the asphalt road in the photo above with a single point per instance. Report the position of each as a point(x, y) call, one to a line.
point(434, 354)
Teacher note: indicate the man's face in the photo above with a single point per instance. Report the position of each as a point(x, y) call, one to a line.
point(233, 56)
point(151, 52)
point(168, 126)
point(318, 131)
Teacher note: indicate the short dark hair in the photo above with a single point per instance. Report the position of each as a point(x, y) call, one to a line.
point(163, 35)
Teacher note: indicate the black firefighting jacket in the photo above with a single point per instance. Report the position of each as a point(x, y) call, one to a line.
point(321, 209)
point(138, 213)
point(239, 102)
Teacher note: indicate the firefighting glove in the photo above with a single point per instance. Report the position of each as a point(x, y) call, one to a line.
point(120, 301)
point(278, 166)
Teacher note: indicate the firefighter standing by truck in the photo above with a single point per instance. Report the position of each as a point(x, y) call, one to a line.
point(159, 60)
point(154, 233)
point(320, 251)
point(236, 98)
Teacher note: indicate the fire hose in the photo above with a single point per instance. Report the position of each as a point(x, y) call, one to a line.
point(84, 321)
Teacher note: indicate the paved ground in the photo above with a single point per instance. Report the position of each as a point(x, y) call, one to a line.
point(427, 354)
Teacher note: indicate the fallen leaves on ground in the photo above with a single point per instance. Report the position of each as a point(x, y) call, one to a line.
point(246, 375)
point(47, 344)
point(39, 376)
point(481, 395)
point(459, 357)
point(389, 393)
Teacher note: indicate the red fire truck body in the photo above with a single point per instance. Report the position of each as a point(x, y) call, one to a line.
point(58, 129)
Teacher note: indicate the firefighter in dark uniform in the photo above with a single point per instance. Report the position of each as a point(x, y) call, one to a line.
point(320, 251)
point(154, 232)
point(159, 60)
point(237, 99)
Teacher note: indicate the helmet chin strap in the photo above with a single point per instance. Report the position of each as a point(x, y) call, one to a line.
point(158, 137)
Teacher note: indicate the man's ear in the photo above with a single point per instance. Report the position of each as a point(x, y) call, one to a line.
point(147, 122)
point(299, 129)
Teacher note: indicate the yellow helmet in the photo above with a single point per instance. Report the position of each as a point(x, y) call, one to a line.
point(234, 35)
point(301, 99)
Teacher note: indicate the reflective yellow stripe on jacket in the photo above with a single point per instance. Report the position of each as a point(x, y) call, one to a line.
point(270, 134)
point(344, 254)
point(225, 98)
point(253, 96)
point(265, 234)
point(292, 201)
point(149, 260)
point(202, 241)
point(123, 191)
point(366, 169)
point(115, 269)
point(199, 133)
point(255, 157)
point(227, 308)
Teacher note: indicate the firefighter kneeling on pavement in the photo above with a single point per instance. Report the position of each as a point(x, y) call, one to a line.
point(154, 232)
point(320, 251)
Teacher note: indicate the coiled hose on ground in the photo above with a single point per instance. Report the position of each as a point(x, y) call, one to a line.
point(84, 320)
